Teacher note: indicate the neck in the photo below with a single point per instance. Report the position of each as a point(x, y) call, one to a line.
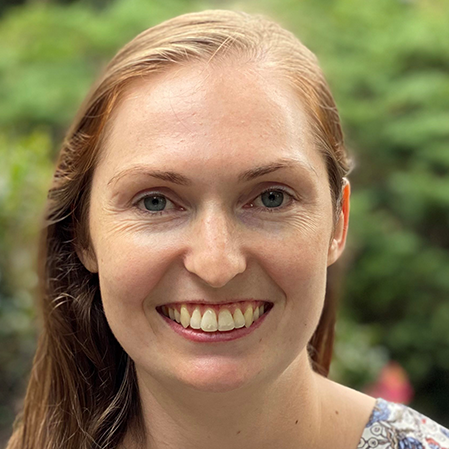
point(284, 412)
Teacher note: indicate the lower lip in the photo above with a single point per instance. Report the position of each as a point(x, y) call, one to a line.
point(213, 337)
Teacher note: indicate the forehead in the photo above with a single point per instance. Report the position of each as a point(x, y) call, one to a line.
point(206, 113)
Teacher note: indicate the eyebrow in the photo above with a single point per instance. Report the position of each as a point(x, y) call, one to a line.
point(248, 175)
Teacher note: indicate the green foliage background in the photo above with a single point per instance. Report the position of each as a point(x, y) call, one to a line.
point(387, 62)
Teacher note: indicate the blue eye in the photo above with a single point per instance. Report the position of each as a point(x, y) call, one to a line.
point(274, 198)
point(154, 203)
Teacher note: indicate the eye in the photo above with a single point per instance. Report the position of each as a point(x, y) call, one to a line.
point(272, 199)
point(157, 202)
point(154, 203)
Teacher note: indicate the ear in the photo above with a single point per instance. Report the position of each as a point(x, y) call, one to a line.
point(88, 259)
point(338, 241)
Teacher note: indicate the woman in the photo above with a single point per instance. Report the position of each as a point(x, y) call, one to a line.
point(198, 200)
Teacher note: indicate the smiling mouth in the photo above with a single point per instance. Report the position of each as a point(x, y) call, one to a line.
point(211, 318)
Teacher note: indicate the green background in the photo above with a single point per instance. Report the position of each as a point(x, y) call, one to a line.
point(387, 62)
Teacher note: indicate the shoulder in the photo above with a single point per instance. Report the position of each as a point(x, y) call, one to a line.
point(396, 426)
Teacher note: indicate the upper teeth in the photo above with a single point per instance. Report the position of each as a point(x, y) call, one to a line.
point(208, 322)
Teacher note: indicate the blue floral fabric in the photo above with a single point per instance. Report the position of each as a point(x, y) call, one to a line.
point(396, 426)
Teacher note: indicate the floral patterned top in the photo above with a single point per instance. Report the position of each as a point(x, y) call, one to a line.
point(396, 426)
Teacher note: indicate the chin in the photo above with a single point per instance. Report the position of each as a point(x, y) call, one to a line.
point(212, 377)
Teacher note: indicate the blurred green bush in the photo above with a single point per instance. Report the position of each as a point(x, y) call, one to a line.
point(387, 63)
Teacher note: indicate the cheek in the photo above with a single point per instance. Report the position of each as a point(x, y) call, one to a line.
point(301, 274)
point(130, 268)
point(299, 256)
point(298, 265)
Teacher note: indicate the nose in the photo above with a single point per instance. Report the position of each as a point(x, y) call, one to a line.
point(215, 254)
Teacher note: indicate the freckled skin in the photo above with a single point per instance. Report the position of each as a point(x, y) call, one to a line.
point(210, 125)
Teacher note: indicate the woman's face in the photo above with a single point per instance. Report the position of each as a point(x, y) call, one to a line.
point(205, 144)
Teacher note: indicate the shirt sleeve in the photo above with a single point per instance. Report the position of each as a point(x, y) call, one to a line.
point(396, 426)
